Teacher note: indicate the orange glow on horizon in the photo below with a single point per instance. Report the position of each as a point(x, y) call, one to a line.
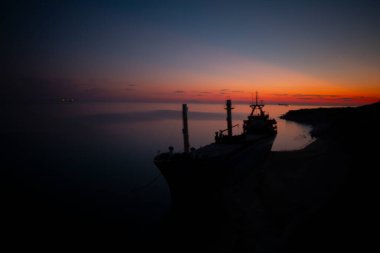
point(220, 76)
point(269, 97)
point(236, 77)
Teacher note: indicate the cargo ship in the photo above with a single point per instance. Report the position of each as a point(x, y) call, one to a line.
point(202, 173)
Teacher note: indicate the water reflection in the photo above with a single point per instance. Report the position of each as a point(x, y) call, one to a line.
point(204, 120)
point(92, 161)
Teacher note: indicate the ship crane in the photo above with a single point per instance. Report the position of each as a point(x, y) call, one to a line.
point(222, 131)
point(220, 136)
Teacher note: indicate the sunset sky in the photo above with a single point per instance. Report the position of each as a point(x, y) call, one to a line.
point(293, 51)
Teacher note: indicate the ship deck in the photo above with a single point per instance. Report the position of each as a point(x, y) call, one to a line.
point(222, 149)
point(214, 150)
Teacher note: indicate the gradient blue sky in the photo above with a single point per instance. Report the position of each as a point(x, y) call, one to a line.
point(192, 50)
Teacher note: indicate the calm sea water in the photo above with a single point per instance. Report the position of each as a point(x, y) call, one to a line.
point(92, 162)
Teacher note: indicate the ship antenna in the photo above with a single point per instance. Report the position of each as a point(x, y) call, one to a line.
point(256, 98)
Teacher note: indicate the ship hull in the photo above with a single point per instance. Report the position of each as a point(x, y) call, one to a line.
point(200, 181)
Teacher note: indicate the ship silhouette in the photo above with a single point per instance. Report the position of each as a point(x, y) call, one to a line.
point(198, 175)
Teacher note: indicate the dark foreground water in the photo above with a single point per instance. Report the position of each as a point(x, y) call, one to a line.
point(89, 165)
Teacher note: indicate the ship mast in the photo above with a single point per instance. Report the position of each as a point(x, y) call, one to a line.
point(257, 106)
point(229, 117)
point(185, 129)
